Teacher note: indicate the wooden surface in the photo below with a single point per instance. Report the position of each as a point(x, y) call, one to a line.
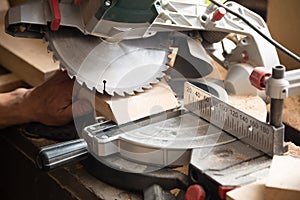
point(283, 23)
point(284, 179)
point(26, 58)
point(21, 179)
point(253, 191)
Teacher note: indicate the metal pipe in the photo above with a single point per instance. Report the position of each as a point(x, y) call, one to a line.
point(276, 112)
point(277, 104)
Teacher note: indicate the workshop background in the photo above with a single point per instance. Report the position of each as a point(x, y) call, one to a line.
point(283, 20)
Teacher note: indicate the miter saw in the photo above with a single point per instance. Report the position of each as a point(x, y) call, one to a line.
point(121, 47)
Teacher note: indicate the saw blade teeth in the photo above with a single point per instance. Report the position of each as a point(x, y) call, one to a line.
point(60, 43)
point(99, 89)
point(71, 75)
point(109, 91)
point(131, 93)
point(49, 49)
point(139, 90)
point(120, 93)
point(165, 67)
point(45, 38)
point(147, 86)
point(54, 58)
point(87, 85)
point(63, 68)
point(160, 75)
point(155, 81)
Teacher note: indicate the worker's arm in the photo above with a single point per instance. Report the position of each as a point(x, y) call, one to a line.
point(49, 103)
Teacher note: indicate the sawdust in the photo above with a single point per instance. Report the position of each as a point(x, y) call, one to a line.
point(291, 112)
point(252, 105)
point(183, 169)
point(293, 150)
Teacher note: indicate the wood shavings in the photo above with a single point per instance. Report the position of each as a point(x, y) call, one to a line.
point(291, 112)
point(252, 105)
point(293, 150)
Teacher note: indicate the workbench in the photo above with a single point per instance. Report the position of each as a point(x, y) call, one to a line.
point(21, 179)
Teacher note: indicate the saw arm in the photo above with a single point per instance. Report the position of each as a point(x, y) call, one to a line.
point(139, 19)
point(125, 24)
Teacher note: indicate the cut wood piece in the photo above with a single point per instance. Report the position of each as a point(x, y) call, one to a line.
point(10, 82)
point(25, 57)
point(253, 191)
point(121, 110)
point(252, 105)
point(284, 179)
point(293, 150)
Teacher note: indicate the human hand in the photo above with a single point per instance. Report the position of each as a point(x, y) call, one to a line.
point(51, 102)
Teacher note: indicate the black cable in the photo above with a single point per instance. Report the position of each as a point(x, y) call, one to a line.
point(272, 41)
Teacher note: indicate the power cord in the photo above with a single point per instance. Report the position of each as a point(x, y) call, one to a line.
point(271, 40)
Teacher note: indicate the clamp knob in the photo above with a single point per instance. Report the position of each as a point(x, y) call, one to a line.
point(194, 192)
point(259, 77)
point(54, 5)
point(218, 14)
point(77, 2)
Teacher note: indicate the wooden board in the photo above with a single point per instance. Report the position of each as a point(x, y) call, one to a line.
point(284, 179)
point(27, 58)
point(253, 191)
point(125, 109)
point(293, 150)
point(10, 82)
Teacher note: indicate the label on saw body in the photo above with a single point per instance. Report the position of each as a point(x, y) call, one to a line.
point(237, 123)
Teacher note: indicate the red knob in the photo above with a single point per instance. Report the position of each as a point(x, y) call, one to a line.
point(258, 78)
point(219, 14)
point(54, 4)
point(195, 192)
point(76, 2)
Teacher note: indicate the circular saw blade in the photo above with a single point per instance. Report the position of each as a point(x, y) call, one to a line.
point(121, 68)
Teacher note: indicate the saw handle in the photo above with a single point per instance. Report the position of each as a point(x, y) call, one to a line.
point(61, 154)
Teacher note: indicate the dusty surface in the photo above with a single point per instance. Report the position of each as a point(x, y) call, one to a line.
point(293, 150)
point(291, 112)
point(252, 105)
